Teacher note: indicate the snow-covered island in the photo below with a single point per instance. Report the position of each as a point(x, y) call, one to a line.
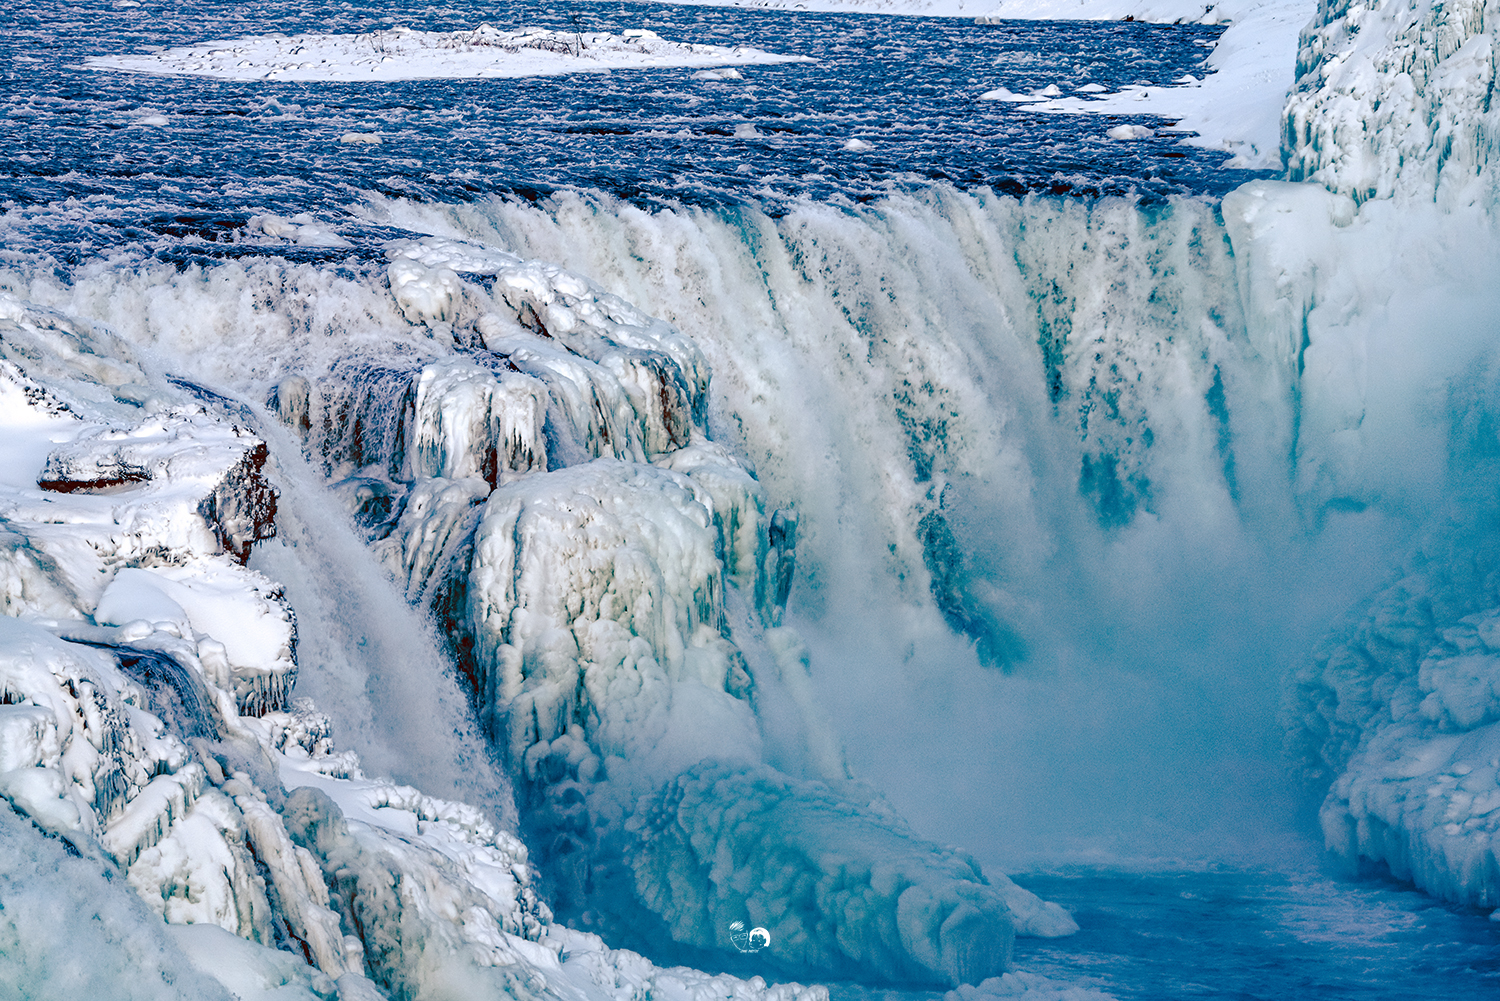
point(401, 53)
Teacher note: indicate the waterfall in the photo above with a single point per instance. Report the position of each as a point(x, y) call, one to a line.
point(1078, 483)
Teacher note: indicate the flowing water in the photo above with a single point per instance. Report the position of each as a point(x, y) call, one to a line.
point(1054, 557)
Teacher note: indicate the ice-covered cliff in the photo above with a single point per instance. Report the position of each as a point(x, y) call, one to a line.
point(1395, 99)
point(958, 425)
point(1396, 709)
point(530, 459)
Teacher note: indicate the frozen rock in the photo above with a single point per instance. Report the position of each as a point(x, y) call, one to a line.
point(71, 356)
point(472, 420)
point(425, 295)
point(209, 598)
point(721, 843)
point(31, 583)
point(179, 453)
point(1399, 711)
point(301, 229)
point(596, 602)
point(252, 971)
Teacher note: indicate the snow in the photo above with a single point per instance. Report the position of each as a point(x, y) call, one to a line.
point(253, 972)
point(400, 53)
point(1394, 100)
point(1237, 107)
point(208, 838)
point(590, 433)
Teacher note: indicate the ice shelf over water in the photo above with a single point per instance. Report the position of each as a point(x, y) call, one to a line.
point(405, 54)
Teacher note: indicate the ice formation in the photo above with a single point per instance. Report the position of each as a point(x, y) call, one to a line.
point(146, 728)
point(1401, 711)
point(1309, 353)
point(1395, 100)
point(405, 54)
point(556, 498)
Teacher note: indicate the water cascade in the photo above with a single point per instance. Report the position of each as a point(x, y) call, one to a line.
point(539, 594)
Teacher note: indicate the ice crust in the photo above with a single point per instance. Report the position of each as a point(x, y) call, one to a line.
point(540, 474)
point(1395, 100)
point(1401, 710)
point(564, 510)
point(405, 54)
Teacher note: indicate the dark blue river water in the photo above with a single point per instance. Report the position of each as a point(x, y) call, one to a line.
point(908, 86)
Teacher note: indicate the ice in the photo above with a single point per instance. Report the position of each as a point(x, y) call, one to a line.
point(59, 906)
point(1001, 94)
point(1400, 709)
point(1394, 100)
point(121, 736)
point(253, 972)
point(404, 54)
point(1123, 405)
point(301, 229)
point(1130, 132)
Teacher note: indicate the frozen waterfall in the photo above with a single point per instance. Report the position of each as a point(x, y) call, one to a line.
point(535, 599)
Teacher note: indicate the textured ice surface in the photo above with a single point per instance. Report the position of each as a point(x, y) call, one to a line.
point(145, 727)
point(403, 54)
point(1396, 99)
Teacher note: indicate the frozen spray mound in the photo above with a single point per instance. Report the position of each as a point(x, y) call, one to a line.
point(405, 54)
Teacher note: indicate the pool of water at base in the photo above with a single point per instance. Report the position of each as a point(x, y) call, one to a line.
point(1251, 934)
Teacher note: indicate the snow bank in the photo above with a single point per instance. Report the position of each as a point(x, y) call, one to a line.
point(1237, 106)
point(405, 54)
